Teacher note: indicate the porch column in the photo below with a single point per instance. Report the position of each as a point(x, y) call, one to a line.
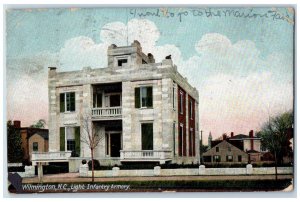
point(40, 171)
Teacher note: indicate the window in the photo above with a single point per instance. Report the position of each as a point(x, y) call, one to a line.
point(121, 62)
point(217, 149)
point(191, 109)
point(97, 100)
point(181, 102)
point(174, 127)
point(143, 97)
point(229, 148)
point(239, 158)
point(229, 158)
point(191, 144)
point(147, 136)
point(173, 93)
point(107, 143)
point(70, 140)
point(180, 140)
point(67, 102)
point(217, 158)
point(35, 146)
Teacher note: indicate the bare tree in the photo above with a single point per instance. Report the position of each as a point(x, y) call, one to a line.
point(91, 137)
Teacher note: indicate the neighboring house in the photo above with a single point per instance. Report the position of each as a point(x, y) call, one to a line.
point(248, 144)
point(145, 111)
point(224, 152)
point(33, 139)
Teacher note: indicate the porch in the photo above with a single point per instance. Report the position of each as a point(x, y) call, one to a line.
point(41, 157)
point(107, 101)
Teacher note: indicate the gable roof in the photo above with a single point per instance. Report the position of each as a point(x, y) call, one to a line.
point(226, 142)
point(43, 134)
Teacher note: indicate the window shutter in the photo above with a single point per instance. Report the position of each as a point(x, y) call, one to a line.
point(77, 141)
point(137, 98)
point(62, 102)
point(149, 97)
point(62, 139)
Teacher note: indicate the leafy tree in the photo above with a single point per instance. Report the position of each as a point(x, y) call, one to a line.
point(275, 136)
point(39, 124)
point(14, 144)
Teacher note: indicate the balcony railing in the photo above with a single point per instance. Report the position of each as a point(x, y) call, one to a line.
point(106, 112)
point(50, 156)
point(145, 155)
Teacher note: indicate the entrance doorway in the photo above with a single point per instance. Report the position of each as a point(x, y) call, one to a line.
point(113, 144)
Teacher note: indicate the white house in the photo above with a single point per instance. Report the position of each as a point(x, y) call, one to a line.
point(145, 111)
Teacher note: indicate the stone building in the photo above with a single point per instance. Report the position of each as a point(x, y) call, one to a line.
point(143, 111)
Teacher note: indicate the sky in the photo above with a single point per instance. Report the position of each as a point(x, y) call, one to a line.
point(239, 59)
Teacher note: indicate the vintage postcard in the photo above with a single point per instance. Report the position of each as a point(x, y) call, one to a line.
point(150, 99)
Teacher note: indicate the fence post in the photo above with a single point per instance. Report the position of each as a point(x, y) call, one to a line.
point(156, 170)
point(83, 170)
point(202, 170)
point(115, 171)
point(249, 169)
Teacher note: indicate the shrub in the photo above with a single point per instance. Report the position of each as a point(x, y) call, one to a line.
point(16, 169)
point(96, 165)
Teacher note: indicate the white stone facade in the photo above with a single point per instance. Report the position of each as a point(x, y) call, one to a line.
point(138, 70)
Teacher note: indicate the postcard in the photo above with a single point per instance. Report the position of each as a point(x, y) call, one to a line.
point(150, 99)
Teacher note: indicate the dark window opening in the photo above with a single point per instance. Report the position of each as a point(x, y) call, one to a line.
point(97, 100)
point(143, 97)
point(181, 102)
point(121, 62)
point(229, 158)
point(239, 158)
point(35, 146)
point(67, 102)
point(217, 158)
point(71, 145)
point(217, 149)
point(147, 136)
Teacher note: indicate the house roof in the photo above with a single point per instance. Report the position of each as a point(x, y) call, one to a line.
point(44, 133)
point(239, 136)
point(232, 145)
point(242, 136)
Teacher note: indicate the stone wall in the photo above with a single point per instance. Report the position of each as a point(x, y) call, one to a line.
point(201, 171)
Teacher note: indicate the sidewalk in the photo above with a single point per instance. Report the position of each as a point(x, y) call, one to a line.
point(74, 178)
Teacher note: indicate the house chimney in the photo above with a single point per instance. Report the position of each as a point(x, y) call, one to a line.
point(151, 58)
point(224, 136)
point(17, 124)
point(52, 71)
point(231, 134)
point(251, 140)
